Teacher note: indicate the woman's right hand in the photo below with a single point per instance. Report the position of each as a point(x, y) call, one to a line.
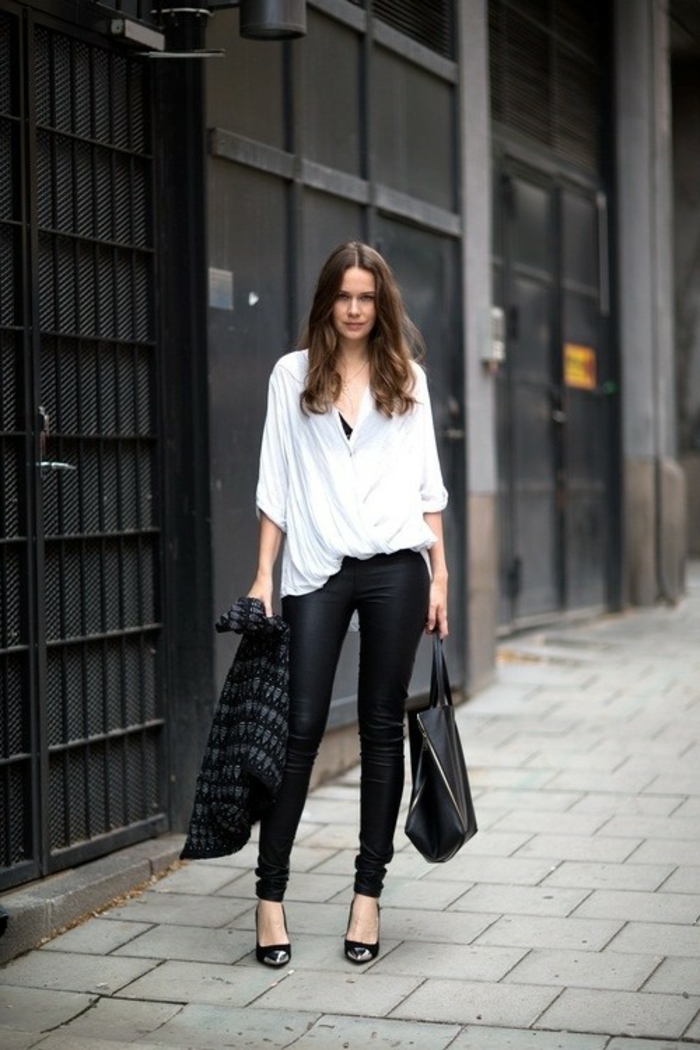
point(262, 590)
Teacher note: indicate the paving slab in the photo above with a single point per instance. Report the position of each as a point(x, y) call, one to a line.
point(606, 970)
point(97, 937)
point(466, 1002)
point(199, 879)
point(70, 972)
point(204, 1026)
point(580, 847)
point(466, 962)
point(689, 807)
point(653, 827)
point(421, 894)
point(361, 994)
point(527, 801)
point(670, 784)
point(61, 1041)
point(646, 1044)
point(345, 1033)
point(658, 938)
point(499, 871)
point(544, 932)
point(626, 876)
point(552, 823)
point(643, 1014)
point(675, 976)
point(189, 943)
point(180, 909)
point(677, 851)
point(685, 879)
point(18, 1040)
point(520, 900)
point(614, 805)
point(692, 1033)
point(193, 982)
point(511, 1039)
point(37, 1010)
point(681, 908)
point(108, 1020)
point(611, 783)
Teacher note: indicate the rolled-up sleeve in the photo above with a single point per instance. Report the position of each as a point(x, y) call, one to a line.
point(433, 492)
point(273, 478)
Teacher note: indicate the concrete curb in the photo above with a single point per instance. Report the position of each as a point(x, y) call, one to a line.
point(41, 909)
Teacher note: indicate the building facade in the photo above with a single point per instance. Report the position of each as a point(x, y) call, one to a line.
point(162, 220)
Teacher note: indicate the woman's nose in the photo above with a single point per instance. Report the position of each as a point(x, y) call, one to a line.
point(354, 306)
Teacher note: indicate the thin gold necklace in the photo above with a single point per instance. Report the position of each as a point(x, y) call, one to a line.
point(346, 382)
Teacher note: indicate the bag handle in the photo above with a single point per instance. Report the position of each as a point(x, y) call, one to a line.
point(440, 691)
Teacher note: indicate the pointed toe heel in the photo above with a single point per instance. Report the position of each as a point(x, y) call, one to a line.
point(272, 954)
point(357, 951)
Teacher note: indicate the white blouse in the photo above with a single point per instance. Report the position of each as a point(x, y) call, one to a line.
point(335, 496)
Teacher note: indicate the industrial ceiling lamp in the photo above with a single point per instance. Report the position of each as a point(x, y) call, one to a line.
point(273, 19)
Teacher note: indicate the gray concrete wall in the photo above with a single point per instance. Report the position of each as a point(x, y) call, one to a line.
point(480, 395)
point(654, 507)
point(686, 191)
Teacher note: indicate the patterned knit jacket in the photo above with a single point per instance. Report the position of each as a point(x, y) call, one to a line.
point(245, 754)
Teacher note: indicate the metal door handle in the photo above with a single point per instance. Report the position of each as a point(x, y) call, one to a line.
point(48, 465)
point(454, 433)
point(558, 415)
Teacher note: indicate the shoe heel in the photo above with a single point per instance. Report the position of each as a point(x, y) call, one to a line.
point(272, 954)
point(358, 952)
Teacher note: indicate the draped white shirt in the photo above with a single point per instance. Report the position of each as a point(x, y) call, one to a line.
point(335, 496)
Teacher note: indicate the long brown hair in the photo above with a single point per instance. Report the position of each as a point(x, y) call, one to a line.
point(393, 342)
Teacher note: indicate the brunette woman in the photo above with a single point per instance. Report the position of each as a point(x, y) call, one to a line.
point(350, 481)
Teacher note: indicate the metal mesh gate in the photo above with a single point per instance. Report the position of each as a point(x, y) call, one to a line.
point(93, 739)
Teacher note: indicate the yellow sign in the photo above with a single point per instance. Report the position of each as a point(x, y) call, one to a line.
point(579, 366)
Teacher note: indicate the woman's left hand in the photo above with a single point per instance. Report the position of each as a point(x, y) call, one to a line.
point(436, 619)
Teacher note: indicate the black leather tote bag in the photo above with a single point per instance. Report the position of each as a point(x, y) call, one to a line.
point(441, 812)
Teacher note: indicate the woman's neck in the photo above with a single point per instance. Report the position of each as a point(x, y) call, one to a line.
point(353, 354)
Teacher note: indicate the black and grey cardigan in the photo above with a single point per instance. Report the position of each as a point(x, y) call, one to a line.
point(245, 754)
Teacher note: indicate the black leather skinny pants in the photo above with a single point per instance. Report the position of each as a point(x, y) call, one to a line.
point(390, 593)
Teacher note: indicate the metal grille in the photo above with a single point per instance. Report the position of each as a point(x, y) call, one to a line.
point(97, 381)
point(431, 24)
point(16, 760)
point(546, 73)
point(95, 686)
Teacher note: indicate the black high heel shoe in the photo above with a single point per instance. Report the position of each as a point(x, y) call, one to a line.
point(356, 951)
point(272, 954)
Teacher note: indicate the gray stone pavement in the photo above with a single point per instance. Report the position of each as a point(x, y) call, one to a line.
point(569, 923)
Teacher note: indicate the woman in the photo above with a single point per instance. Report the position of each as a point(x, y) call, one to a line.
point(350, 478)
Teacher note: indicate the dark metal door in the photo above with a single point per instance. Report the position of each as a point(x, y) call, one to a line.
point(587, 385)
point(551, 415)
point(81, 762)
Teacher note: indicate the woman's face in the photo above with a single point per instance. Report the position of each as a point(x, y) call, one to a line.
point(355, 307)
